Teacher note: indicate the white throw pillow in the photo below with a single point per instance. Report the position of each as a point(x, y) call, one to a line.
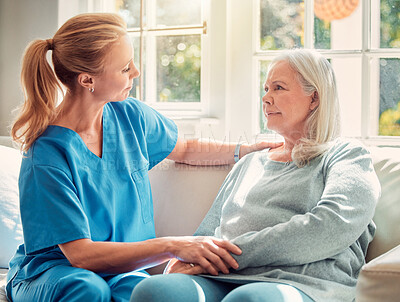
point(10, 223)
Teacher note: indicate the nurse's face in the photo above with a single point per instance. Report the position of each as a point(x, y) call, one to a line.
point(115, 82)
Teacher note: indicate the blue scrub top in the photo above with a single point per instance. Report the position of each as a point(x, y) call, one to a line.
point(69, 193)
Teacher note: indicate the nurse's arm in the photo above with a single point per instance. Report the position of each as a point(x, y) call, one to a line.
point(210, 253)
point(211, 153)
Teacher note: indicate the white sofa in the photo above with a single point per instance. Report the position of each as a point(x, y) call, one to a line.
point(183, 194)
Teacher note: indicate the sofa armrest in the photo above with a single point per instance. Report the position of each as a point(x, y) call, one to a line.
point(6, 141)
point(379, 279)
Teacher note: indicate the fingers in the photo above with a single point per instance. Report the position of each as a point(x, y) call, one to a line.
point(210, 268)
point(272, 145)
point(229, 246)
point(170, 265)
point(217, 256)
point(212, 254)
point(213, 261)
point(248, 148)
point(224, 250)
point(184, 268)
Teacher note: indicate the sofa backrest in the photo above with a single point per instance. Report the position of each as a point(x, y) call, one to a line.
point(182, 195)
point(387, 213)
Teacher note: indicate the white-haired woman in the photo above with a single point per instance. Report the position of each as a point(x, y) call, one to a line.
point(301, 214)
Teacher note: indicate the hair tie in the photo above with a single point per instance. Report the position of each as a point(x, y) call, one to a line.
point(50, 44)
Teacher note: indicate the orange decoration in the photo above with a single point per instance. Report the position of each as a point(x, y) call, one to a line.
point(329, 10)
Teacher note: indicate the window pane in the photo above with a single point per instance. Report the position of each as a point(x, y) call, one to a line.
point(322, 34)
point(389, 105)
point(178, 12)
point(178, 68)
point(390, 23)
point(135, 87)
point(338, 27)
point(281, 24)
point(349, 93)
point(263, 77)
point(130, 11)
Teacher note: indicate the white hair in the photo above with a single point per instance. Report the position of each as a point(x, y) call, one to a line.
point(315, 74)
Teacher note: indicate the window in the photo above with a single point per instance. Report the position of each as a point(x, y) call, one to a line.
point(363, 48)
point(170, 50)
point(220, 97)
point(167, 36)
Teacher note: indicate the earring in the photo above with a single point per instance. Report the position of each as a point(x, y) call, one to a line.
point(91, 89)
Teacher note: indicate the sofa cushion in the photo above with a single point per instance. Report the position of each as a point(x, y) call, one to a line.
point(10, 224)
point(387, 166)
point(3, 276)
point(379, 279)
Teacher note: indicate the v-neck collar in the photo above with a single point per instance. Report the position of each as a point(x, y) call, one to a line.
point(82, 143)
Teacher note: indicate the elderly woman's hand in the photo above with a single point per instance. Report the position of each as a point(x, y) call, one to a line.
point(212, 254)
point(177, 266)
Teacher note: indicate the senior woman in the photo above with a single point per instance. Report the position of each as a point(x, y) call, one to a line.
point(85, 198)
point(301, 214)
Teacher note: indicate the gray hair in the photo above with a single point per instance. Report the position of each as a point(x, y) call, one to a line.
point(315, 74)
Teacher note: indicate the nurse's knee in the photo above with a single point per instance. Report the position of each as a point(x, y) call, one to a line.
point(84, 286)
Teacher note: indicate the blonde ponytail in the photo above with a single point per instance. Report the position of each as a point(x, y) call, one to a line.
point(40, 87)
point(79, 46)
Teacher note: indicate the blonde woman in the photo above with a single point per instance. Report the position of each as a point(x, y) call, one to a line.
point(301, 213)
point(85, 198)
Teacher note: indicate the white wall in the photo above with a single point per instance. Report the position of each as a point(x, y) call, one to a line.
point(20, 22)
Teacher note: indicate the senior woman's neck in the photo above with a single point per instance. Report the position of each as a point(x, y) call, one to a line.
point(282, 153)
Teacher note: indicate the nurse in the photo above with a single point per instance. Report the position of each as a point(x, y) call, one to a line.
point(85, 198)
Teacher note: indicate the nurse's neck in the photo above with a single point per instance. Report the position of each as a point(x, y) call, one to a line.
point(80, 113)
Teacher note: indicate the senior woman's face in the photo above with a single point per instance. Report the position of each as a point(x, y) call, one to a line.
point(285, 104)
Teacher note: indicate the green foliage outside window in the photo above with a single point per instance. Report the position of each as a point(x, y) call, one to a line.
point(390, 23)
point(178, 68)
point(389, 106)
point(281, 24)
point(389, 122)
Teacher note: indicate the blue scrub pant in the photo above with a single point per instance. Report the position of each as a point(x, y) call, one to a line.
point(67, 283)
point(187, 288)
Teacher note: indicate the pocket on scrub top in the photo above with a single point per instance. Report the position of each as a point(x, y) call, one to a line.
point(141, 179)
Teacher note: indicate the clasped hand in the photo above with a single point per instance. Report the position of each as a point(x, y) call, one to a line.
point(206, 254)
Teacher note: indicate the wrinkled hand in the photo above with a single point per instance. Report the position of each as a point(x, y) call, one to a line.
point(248, 148)
point(211, 253)
point(177, 266)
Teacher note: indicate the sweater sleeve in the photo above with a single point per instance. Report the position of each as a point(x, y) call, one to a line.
point(339, 218)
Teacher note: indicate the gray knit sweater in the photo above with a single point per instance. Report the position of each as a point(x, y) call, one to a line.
point(308, 227)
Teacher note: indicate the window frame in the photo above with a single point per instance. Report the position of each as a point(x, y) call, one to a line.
point(369, 110)
point(147, 33)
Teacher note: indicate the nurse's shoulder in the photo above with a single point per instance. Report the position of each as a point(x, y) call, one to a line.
point(55, 147)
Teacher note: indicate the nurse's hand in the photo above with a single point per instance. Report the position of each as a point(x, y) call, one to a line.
point(177, 266)
point(211, 253)
point(248, 148)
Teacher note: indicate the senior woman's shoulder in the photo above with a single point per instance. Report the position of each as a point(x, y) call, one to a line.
point(347, 148)
point(348, 143)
